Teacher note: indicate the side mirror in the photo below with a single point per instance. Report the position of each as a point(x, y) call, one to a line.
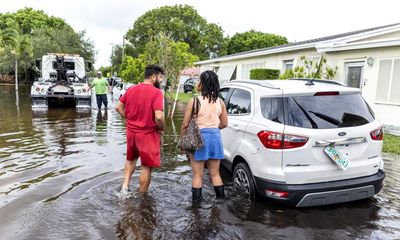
point(89, 66)
point(38, 63)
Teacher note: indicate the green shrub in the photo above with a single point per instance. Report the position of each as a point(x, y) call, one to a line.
point(264, 73)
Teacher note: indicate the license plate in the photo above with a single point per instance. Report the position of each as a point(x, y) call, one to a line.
point(337, 157)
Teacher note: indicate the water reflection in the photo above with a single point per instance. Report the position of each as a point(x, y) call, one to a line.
point(60, 168)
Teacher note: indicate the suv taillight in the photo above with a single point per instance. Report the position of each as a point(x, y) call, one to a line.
point(377, 134)
point(276, 140)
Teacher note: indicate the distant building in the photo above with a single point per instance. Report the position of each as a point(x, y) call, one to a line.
point(193, 72)
point(368, 59)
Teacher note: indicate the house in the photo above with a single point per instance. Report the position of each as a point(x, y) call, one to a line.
point(192, 72)
point(368, 59)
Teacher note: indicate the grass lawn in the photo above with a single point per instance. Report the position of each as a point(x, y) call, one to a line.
point(182, 97)
point(391, 144)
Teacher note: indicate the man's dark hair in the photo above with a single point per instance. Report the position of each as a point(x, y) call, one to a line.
point(150, 70)
point(209, 85)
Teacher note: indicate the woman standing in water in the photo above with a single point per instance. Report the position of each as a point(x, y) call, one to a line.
point(212, 117)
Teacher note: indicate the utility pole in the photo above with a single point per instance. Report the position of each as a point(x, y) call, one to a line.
point(123, 48)
point(112, 53)
point(16, 74)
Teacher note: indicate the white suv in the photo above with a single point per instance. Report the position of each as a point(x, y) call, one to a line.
point(302, 142)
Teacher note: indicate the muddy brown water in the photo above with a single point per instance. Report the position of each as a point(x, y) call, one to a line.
point(60, 168)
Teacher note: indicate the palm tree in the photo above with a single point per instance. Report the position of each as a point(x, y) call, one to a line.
point(22, 50)
point(19, 45)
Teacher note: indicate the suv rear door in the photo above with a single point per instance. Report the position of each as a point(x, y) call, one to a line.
point(239, 105)
point(344, 121)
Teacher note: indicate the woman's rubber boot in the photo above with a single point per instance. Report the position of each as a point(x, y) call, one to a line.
point(219, 192)
point(196, 194)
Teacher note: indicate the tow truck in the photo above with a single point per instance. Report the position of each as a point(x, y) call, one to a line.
point(62, 81)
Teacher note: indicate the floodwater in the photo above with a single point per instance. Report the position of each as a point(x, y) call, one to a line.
point(60, 168)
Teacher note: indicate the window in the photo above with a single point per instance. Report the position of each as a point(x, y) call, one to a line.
point(271, 108)
point(239, 102)
point(224, 93)
point(325, 112)
point(67, 65)
point(388, 86)
point(287, 64)
point(247, 67)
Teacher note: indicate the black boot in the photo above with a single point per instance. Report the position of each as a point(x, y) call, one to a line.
point(219, 192)
point(196, 194)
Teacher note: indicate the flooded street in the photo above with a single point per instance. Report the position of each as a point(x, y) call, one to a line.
point(60, 169)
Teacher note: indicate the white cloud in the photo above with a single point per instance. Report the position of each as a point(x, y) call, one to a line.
point(106, 21)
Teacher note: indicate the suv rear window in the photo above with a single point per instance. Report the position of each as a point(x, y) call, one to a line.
point(324, 112)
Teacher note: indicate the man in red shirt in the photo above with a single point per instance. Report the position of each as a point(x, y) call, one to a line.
point(142, 106)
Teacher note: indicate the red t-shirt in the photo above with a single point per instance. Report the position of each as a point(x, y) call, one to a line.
point(140, 103)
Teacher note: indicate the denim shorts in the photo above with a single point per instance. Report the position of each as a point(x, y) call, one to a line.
point(212, 148)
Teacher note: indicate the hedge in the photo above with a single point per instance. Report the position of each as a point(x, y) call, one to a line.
point(264, 73)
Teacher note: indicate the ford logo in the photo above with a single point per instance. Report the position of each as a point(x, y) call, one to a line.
point(342, 134)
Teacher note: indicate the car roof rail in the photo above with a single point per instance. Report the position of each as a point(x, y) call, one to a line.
point(320, 81)
point(254, 82)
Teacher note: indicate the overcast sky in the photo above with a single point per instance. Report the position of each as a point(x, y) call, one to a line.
point(105, 22)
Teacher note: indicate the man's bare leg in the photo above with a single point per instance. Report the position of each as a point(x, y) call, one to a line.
point(144, 179)
point(130, 167)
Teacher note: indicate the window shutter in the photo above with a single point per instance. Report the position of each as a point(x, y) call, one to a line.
point(225, 73)
point(395, 87)
point(382, 88)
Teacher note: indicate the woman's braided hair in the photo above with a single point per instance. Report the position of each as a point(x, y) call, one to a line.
point(209, 85)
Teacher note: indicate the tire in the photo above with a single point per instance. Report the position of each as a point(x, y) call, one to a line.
point(243, 180)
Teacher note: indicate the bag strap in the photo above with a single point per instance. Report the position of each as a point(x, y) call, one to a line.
point(195, 107)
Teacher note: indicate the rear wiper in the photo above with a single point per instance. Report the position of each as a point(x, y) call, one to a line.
point(313, 124)
point(327, 118)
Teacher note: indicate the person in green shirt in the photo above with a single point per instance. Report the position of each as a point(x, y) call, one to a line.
point(101, 88)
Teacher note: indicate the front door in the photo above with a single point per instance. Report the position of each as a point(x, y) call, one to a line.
point(354, 74)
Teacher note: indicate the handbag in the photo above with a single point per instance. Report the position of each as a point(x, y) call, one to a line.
point(191, 140)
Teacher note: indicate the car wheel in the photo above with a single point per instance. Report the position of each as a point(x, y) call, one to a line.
point(184, 91)
point(243, 180)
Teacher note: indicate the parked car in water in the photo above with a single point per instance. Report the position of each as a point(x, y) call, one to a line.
point(120, 89)
point(189, 85)
point(301, 142)
point(112, 81)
